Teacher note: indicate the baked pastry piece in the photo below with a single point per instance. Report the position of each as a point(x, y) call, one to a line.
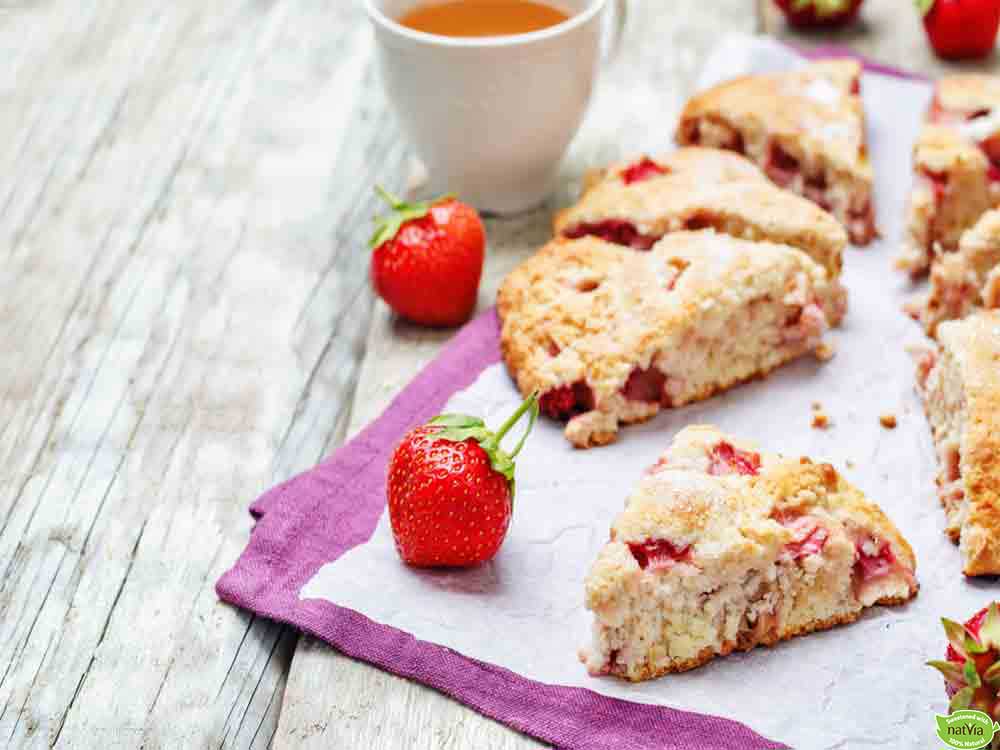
point(721, 548)
point(956, 165)
point(959, 381)
point(968, 279)
point(635, 203)
point(806, 130)
point(607, 335)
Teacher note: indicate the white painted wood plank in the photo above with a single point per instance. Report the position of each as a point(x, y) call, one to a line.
point(332, 701)
point(182, 186)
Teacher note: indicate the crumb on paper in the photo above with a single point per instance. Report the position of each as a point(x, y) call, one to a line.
point(915, 307)
point(850, 463)
point(888, 421)
point(821, 420)
point(816, 406)
point(825, 351)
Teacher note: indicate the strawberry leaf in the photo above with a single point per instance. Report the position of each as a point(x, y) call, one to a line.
point(388, 226)
point(459, 427)
point(924, 6)
point(826, 8)
point(457, 420)
point(992, 675)
point(962, 699)
point(972, 644)
point(989, 631)
point(952, 672)
point(970, 674)
point(460, 434)
point(955, 632)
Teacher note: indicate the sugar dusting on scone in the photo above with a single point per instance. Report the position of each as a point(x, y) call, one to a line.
point(609, 336)
point(959, 381)
point(637, 202)
point(968, 279)
point(804, 128)
point(956, 165)
point(723, 548)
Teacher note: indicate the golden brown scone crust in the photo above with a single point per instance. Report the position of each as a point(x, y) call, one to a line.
point(947, 152)
point(703, 188)
point(804, 128)
point(780, 104)
point(975, 344)
point(587, 310)
point(722, 520)
point(968, 92)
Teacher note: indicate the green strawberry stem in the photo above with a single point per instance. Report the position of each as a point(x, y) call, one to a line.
point(460, 427)
point(924, 6)
point(388, 226)
point(823, 7)
point(389, 198)
point(529, 404)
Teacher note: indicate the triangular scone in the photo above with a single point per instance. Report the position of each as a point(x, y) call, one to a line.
point(637, 202)
point(956, 167)
point(806, 130)
point(721, 548)
point(959, 381)
point(964, 281)
point(608, 336)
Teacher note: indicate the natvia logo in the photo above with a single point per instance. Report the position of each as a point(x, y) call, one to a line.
point(966, 729)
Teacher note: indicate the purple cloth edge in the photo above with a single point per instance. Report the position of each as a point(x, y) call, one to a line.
point(299, 529)
point(292, 539)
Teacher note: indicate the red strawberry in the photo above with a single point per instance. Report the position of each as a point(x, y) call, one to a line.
point(972, 666)
point(451, 489)
point(819, 13)
point(428, 259)
point(961, 29)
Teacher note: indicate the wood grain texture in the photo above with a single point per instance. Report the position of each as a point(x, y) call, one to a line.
point(333, 701)
point(889, 31)
point(184, 188)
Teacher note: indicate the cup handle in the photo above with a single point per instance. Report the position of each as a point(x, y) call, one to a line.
point(617, 30)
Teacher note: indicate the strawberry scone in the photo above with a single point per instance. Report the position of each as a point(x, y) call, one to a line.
point(964, 281)
point(956, 165)
point(959, 381)
point(635, 203)
point(721, 548)
point(608, 336)
point(804, 128)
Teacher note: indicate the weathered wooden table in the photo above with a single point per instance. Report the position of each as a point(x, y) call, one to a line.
point(185, 190)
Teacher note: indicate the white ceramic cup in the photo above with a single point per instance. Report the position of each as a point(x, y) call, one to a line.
point(491, 117)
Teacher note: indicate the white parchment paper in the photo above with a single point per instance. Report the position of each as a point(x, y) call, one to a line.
point(860, 685)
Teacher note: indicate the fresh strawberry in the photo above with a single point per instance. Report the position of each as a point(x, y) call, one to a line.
point(960, 29)
point(428, 259)
point(972, 662)
point(451, 489)
point(806, 14)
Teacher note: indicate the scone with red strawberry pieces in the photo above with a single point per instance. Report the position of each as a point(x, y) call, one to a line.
point(635, 203)
point(956, 167)
point(967, 280)
point(804, 128)
point(959, 381)
point(609, 336)
point(722, 548)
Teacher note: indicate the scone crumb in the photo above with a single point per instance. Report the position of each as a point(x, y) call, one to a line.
point(850, 463)
point(821, 420)
point(888, 421)
point(816, 406)
point(825, 351)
